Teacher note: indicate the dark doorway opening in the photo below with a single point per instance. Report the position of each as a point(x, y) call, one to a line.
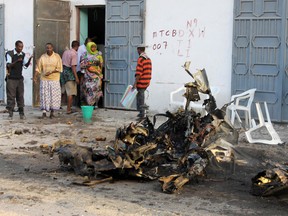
point(96, 24)
point(96, 30)
point(92, 25)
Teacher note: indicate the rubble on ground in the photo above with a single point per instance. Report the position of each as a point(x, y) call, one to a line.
point(272, 181)
point(175, 153)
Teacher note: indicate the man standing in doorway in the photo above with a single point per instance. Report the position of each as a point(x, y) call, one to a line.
point(15, 60)
point(69, 78)
point(142, 79)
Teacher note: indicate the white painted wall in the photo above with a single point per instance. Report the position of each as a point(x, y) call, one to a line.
point(19, 16)
point(199, 31)
point(19, 26)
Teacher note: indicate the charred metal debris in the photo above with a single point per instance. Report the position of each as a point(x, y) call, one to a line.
point(175, 153)
point(272, 181)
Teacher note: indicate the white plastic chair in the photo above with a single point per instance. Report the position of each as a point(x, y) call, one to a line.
point(275, 139)
point(177, 99)
point(241, 102)
point(198, 105)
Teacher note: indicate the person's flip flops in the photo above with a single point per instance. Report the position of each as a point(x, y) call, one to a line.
point(70, 112)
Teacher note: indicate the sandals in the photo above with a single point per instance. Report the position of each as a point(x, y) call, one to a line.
point(70, 112)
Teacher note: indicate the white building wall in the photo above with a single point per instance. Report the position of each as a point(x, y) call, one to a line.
point(19, 26)
point(199, 31)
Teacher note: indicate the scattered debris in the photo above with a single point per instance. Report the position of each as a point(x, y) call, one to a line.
point(175, 153)
point(273, 181)
point(93, 182)
point(69, 123)
point(4, 111)
point(45, 148)
point(8, 135)
point(18, 131)
point(32, 142)
point(100, 138)
point(61, 142)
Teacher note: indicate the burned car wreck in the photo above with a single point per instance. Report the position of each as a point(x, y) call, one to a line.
point(174, 153)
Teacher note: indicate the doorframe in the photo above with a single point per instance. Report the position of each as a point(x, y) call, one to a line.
point(3, 68)
point(57, 45)
point(78, 31)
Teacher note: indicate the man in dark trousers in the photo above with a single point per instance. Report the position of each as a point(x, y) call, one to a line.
point(15, 60)
point(142, 79)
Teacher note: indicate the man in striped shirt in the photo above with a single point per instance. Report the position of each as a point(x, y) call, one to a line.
point(142, 79)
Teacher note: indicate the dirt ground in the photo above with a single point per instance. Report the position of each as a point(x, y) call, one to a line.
point(32, 183)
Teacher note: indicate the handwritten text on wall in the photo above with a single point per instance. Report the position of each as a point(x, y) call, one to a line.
point(181, 38)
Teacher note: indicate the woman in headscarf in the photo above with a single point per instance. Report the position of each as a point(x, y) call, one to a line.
point(92, 62)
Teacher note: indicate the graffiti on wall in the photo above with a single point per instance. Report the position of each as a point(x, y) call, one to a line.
point(29, 50)
point(178, 39)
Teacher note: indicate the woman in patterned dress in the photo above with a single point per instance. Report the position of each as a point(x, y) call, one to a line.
point(92, 62)
point(49, 67)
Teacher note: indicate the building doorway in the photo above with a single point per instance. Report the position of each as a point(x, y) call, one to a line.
point(117, 28)
point(2, 64)
point(92, 24)
point(50, 27)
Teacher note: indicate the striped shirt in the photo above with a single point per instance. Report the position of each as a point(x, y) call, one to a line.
point(144, 71)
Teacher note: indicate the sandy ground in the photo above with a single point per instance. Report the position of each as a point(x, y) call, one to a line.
point(32, 183)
